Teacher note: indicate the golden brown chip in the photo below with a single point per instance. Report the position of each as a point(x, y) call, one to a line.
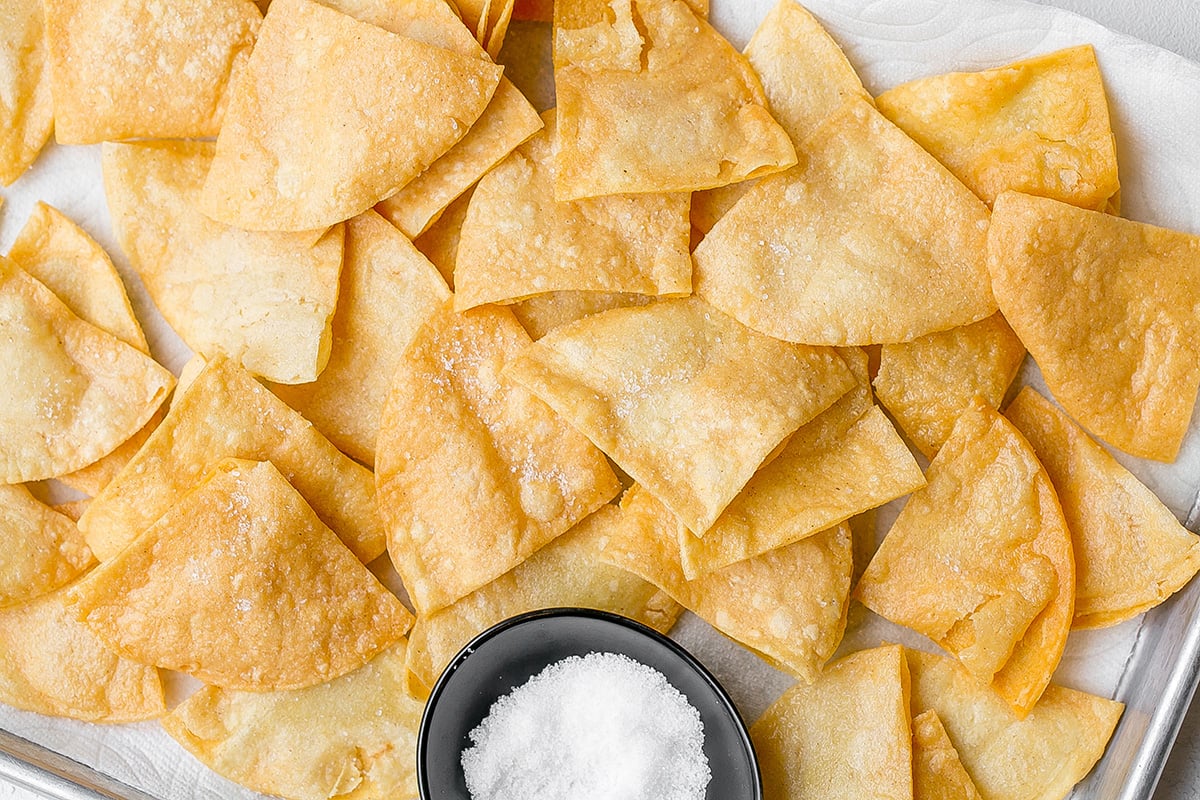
point(26, 109)
point(241, 585)
point(42, 549)
point(502, 12)
point(332, 115)
point(835, 250)
point(474, 472)
point(388, 290)
point(1130, 551)
point(927, 383)
point(226, 413)
point(1107, 308)
point(545, 312)
point(125, 69)
point(938, 774)
point(652, 99)
point(1039, 126)
point(709, 205)
point(844, 737)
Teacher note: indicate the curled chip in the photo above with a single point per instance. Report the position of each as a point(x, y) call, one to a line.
point(26, 108)
point(42, 551)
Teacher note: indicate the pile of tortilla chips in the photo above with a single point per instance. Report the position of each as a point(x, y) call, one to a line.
point(457, 360)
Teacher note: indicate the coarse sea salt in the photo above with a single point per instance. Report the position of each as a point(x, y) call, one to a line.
point(594, 727)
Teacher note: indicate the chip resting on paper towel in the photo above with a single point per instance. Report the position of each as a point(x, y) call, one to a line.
point(474, 472)
point(681, 397)
point(652, 99)
point(240, 584)
point(225, 413)
point(332, 115)
point(1130, 551)
point(26, 109)
point(42, 551)
point(130, 69)
point(868, 241)
point(1108, 309)
point(938, 773)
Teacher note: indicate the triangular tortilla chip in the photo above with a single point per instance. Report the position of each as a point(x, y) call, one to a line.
point(683, 398)
point(226, 413)
point(42, 550)
point(1130, 551)
point(938, 773)
point(265, 300)
point(1107, 308)
point(71, 392)
point(1039, 126)
point(660, 104)
point(388, 290)
point(835, 250)
point(332, 115)
point(26, 109)
point(439, 242)
point(126, 69)
point(474, 472)
point(545, 312)
point(241, 585)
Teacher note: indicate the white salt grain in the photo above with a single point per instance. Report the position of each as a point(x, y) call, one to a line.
point(594, 727)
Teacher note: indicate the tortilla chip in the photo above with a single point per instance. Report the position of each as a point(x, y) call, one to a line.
point(439, 242)
point(938, 774)
point(1107, 308)
point(683, 398)
point(26, 109)
point(92, 479)
point(241, 585)
point(518, 242)
point(332, 115)
point(502, 14)
point(128, 69)
point(927, 383)
point(980, 560)
point(710, 205)
point(71, 392)
point(835, 250)
point(1042, 755)
point(545, 312)
point(51, 663)
point(1130, 551)
point(388, 290)
point(844, 737)
point(265, 300)
point(226, 413)
point(663, 104)
point(1039, 126)
point(43, 550)
point(474, 473)
point(567, 572)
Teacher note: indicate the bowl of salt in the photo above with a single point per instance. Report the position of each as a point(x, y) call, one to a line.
point(571, 703)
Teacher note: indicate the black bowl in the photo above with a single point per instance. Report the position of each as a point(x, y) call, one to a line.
point(510, 653)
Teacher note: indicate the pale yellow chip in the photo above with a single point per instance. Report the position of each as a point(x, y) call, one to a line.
point(51, 663)
point(980, 560)
point(226, 413)
point(240, 584)
point(1107, 308)
point(388, 290)
point(567, 572)
point(927, 383)
point(545, 312)
point(1039, 126)
point(71, 392)
point(264, 299)
point(660, 104)
point(92, 479)
point(835, 250)
point(126, 69)
point(844, 737)
point(43, 550)
point(439, 242)
point(1041, 756)
point(332, 115)
point(1131, 553)
point(26, 109)
point(474, 472)
point(938, 773)
point(683, 398)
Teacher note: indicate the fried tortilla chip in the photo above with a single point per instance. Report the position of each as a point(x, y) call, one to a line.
point(241, 585)
point(502, 12)
point(1041, 756)
point(1107, 308)
point(127, 69)
point(844, 737)
point(1039, 126)
point(1130, 551)
point(43, 550)
point(567, 572)
point(980, 560)
point(226, 413)
point(938, 773)
point(265, 299)
point(332, 115)
point(474, 473)
point(545, 312)
point(388, 290)
point(652, 99)
point(439, 242)
point(927, 383)
point(26, 109)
